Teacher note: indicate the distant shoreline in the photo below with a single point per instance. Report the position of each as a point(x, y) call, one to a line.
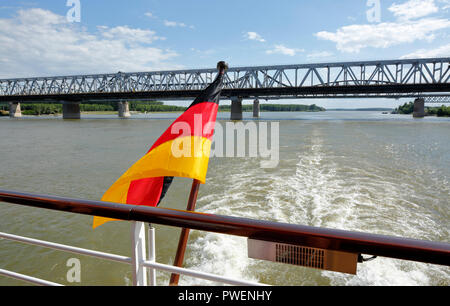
point(369, 109)
point(37, 109)
point(6, 113)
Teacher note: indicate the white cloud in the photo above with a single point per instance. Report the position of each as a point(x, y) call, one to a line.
point(124, 33)
point(281, 49)
point(254, 36)
point(446, 4)
point(442, 51)
point(353, 38)
point(149, 14)
point(413, 9)
point(319, 54)
point(410, 26)
point(174, 24)
point(38, 42)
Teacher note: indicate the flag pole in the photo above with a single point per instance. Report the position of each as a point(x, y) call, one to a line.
point(174, 278)
point(182, 243)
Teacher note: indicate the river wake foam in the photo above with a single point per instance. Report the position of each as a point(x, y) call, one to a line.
point(326, 189)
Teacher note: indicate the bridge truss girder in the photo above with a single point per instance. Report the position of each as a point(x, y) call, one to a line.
point(394, 78)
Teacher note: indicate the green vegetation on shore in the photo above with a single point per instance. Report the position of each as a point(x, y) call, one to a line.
point(37, 109)
point(154, 106)
point(149, 106)
point(277, 108)
point(408, 108)
point(367, 109)
point(41, 109)
point(404, 109)
point(442, 111)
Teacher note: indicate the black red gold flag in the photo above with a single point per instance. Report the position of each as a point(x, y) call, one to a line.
point(147, 181)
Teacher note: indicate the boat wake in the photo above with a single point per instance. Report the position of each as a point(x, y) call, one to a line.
point(325, 189)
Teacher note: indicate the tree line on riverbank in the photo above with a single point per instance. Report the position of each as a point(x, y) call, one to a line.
point(147, 106)
point(408, 108)
point(56, 108)
point(277, 108)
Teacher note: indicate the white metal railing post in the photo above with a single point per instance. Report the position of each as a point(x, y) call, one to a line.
point(151, 254)
point(138, 253)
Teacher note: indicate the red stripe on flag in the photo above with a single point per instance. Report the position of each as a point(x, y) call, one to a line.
point(208, 112)
point(148, 191)
point(145, 191)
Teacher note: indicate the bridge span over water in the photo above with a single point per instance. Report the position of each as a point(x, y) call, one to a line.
point(426, 79)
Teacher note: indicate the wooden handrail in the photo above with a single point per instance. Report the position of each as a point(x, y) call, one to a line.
point(331, 239)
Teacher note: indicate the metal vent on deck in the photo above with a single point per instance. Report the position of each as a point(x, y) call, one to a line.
point(303, 256)
point(298, 255)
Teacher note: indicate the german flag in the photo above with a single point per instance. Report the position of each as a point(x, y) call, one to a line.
point(181, 151)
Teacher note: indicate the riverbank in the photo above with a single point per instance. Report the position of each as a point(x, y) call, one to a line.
point(408, 108)
point(145, 107)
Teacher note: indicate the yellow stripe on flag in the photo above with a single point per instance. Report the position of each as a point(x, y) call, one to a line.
point(181, 157)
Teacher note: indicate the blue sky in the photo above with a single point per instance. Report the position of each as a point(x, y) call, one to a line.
point(37, 38)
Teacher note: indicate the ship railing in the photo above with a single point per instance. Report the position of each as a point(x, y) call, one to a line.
point(260, 233)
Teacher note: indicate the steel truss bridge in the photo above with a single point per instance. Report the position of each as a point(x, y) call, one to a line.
point(427, 78)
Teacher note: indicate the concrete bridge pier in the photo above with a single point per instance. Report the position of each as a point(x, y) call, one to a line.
point(14, 110)
point(124, 110)
point(419, 108)
point(71, 110)
point(236, 108)
point(256, 108)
